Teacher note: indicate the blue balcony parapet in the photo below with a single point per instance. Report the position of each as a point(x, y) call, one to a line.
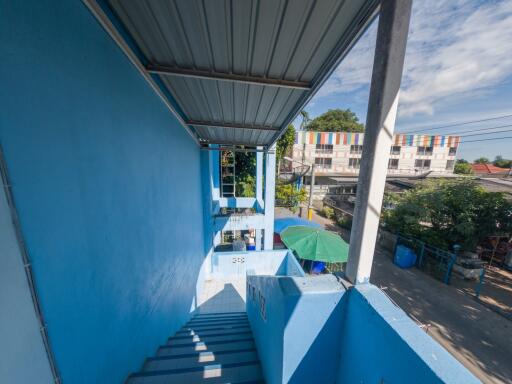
point(321, 329)
point(296, 323)
point(239, 264)
point(381, 344)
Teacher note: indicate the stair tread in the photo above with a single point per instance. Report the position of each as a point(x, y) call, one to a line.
point(209, 338)
point(237, 338)
point(177, 351)
point(214, 332)
point(216, 322)
point(205, 358)
point(212, 347)
point(213, 374)
point(211, 328)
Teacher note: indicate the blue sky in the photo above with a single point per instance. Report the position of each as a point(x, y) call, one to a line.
point(458, 68)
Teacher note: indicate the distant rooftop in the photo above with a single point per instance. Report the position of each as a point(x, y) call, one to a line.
point(487, 169)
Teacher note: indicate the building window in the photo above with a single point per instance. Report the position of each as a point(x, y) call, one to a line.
point(424, 151)
point(422, 164)
point(324, 148)
point(356, 149)
point(450, 164)
point(354, 163)
point(453, 151)
point(395, 149)
point(393, 163)
point(323, 162)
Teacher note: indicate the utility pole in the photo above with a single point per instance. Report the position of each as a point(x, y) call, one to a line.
point(311, 187)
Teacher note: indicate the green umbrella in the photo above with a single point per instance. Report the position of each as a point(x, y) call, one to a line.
point(315, 244)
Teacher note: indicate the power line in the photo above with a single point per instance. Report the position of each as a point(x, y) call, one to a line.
point(492, 138)
point(487, 133)
point(458, 124)
point(480, 129)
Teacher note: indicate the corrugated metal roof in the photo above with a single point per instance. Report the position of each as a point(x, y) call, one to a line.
point(240, 70)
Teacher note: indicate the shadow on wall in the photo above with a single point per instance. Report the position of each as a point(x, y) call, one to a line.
point(311, 330)
point(323, 352)
point(295, 320)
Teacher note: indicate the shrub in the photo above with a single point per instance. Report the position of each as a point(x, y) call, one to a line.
point(327, 212)
point(344, 221)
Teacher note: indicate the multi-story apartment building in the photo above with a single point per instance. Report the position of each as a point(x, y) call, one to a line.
point(340, 152)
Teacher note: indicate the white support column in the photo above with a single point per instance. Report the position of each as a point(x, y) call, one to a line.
point(380, 123)
point(270, 190)
point(259, 192)
point(214, 168)
point(259, 177)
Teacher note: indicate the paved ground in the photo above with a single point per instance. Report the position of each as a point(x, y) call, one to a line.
point(478, 337)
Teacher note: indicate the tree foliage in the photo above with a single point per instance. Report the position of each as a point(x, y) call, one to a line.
point(245, 171)
point(447, 212)
point(287, 195)
point(336, 120)
point(481, 160)
point(462, 167)
point(285, 142)
point(499, 161)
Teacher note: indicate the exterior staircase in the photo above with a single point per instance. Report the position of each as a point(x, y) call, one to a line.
point(210, 348)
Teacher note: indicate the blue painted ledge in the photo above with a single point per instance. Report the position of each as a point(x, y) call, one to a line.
point(312, 329)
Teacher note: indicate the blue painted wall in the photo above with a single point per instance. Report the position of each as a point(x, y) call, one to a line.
point(381, 344)
point(108, 189)
point(296, 322)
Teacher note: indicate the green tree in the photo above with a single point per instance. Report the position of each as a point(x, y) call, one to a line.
point(336, 120)
point(447, 212)
point(499, 161)
point(285, 143)
point(462, 167)
point(305, 119)
point(245, 171)
point(287, 195)
point(482, 160)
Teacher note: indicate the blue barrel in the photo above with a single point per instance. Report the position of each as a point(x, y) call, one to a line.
point(404, 257)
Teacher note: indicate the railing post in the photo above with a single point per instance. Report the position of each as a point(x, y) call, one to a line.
point(386, 77)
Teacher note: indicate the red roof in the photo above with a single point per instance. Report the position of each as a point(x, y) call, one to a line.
point(487, 168)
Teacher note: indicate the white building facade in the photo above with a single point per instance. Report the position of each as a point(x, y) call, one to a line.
point(335, 153)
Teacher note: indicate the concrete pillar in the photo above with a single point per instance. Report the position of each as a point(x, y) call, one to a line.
point(259, 178)
point(215, 173)
point(214, 169)
point(270, 190)
point(258, 239)
point(259, 192)
point(380, 122)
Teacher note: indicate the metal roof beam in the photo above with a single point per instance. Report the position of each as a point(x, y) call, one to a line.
point(212, 75)
point(208, 124)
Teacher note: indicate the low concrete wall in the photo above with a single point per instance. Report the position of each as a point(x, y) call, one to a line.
point(381, 344)
point(294, 321)
point(232, 264)
point(310, 329)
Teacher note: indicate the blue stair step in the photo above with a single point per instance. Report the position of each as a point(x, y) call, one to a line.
point(218, 327)
point(232, 345)
point(200, 360)
point(224, 331)
point(202, 323)
point(211, 348)
point(224, 336)
point(213, 374)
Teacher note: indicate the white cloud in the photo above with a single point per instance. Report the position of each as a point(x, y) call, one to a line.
point(456, 50)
